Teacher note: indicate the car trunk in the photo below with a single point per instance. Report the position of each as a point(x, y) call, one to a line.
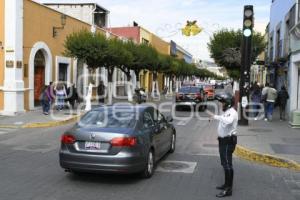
point(97, 140)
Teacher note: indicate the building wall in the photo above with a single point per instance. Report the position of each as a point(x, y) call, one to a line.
point(39, 21)
point(127, 32)
point(146, 76)
point(160, 45)
point(82, 12)
point(144, 34)
point(279, 10)
point(164, 48)
point(1, 53)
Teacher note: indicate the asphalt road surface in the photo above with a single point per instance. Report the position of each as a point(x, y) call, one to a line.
point(29, 170)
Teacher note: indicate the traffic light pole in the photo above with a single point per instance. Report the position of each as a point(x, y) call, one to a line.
point(245, 64)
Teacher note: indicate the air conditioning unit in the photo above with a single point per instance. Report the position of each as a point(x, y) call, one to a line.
point(295, 119)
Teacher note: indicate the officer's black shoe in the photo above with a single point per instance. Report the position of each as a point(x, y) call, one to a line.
point(221, 187)
point(225, 193)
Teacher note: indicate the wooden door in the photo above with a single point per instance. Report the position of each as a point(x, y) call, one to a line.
point(39, 83)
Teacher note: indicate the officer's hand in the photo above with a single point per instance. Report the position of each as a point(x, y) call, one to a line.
point(210, 114)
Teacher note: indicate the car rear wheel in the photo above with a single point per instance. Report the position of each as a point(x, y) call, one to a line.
point(173, 143)
point(149, 168)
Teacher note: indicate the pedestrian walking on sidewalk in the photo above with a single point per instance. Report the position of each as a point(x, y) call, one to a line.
point(271, 98)
point(72, 95)
point(61, 94)
point(264, 94)
point(227, 138)
point(283, 96)
point(46, 100)
point(256, 99)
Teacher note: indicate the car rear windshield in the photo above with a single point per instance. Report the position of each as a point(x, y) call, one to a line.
point(189, 90)
point(208, 87)
point(108, 119)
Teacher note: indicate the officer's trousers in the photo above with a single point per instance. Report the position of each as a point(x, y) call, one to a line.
point(226, 151)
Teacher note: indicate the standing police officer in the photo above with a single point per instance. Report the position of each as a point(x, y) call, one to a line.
point(227, 140)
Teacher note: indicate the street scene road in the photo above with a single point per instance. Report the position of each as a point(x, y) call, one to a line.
point(30, 170)
point(149, 100)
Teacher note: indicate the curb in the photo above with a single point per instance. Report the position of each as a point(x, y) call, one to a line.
point(51, 124)
point(43, 124)
point(266, 159)
point(10, 126)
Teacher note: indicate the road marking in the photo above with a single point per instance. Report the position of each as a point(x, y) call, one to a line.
point(6, 130)
point(182, 122)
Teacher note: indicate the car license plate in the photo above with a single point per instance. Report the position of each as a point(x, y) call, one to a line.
point(92, 145)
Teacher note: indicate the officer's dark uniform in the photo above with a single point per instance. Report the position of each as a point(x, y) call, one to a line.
point(227, 141)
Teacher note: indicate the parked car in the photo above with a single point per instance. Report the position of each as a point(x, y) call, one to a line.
point(191, 96)
point(118, 139)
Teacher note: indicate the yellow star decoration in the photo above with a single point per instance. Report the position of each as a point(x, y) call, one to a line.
point(191, 28)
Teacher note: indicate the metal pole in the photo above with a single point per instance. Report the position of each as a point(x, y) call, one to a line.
point(245, 66)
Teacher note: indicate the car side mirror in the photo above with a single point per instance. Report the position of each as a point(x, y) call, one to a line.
point(169, 118)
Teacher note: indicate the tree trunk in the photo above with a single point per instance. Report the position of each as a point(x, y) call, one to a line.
point(110, 86)
point(129, 88)
point(155, 88)
point(177, 84)
point(169, 84)
point(137, 75)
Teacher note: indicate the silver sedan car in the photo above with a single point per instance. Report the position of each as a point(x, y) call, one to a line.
point(118, 139)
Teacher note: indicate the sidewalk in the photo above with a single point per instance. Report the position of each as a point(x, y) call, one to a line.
point(36, 119)
point(261, 139)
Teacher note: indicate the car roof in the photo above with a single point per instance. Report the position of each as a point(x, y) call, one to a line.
point(140, 108)
point(193, 86)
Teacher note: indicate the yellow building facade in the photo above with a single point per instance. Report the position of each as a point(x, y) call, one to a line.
point(1, 54)
point(33, 56)
point(163, 47)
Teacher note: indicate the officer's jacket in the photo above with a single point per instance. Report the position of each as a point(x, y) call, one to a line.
point(228, 123)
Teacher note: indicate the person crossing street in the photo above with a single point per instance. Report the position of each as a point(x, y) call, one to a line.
point(227, 138)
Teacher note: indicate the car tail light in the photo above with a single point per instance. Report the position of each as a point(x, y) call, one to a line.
point(123, 141)
point(198, 95)
point(68, 139)
point(179, 96)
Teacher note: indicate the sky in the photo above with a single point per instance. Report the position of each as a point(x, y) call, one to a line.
point(165, 18)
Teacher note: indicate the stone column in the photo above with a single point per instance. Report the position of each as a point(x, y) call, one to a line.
point(13, 78)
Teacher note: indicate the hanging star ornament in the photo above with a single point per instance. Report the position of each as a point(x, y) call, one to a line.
point(191, 28)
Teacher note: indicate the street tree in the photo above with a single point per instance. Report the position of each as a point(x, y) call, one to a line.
point(141, 58)
point(225, 49)
point(117, 55)
point(87, 48)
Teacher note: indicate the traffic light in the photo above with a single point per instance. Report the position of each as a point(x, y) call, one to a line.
point(248, 21)
point(246, 62)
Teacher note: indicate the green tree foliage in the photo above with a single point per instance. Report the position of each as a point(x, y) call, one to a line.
point(117, 56)
point(225, 49)
point(89, 48)
point(97, 51)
